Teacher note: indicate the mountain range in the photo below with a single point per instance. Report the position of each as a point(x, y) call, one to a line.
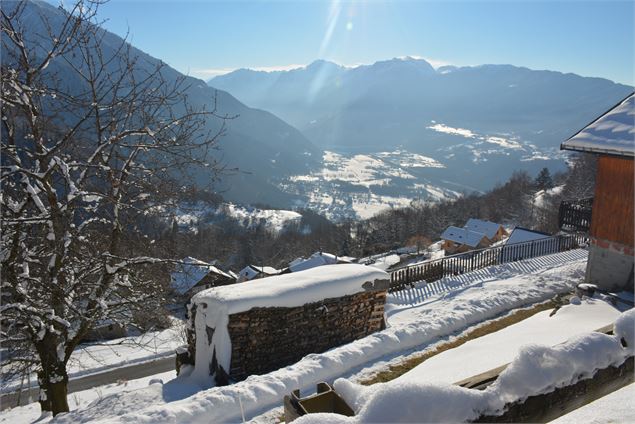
point(480, 122)
point(350, 141)
point(258, 144)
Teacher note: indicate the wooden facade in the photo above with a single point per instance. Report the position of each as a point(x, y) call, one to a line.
point(452, 247)
point(614, 199)
point(212, 279)
point(500, 234)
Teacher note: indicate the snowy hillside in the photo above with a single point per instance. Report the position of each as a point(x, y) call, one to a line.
point(192, 214)
point(446, 307)
point(362, 185)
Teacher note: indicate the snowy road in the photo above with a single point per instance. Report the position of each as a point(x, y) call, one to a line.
point(9, 400)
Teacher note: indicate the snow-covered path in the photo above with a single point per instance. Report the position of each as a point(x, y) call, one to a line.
point(415, 321)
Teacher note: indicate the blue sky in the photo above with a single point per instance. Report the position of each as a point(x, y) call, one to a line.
point(205, 38)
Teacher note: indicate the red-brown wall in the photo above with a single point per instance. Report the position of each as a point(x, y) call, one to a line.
point(614, 198)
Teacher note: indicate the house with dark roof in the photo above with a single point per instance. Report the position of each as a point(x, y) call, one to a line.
point(612, 138)
point(459, 240)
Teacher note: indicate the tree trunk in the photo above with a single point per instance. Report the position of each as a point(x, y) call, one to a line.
point(58, 394)
point(53, 394)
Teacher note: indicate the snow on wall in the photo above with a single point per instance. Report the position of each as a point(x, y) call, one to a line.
point(215, 305)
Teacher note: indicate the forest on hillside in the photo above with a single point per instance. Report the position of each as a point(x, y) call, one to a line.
point(523, 200)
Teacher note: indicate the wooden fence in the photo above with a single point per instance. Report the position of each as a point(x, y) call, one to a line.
point(436, 269)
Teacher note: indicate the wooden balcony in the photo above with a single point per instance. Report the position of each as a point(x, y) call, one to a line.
point(575, 215)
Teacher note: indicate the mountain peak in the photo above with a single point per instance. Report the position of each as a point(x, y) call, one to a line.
point(321, 63)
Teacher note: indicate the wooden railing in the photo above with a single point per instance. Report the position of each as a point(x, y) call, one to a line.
point(575, 215)
point(473, 260)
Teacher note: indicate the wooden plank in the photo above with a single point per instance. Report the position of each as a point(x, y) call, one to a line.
point(613, 203)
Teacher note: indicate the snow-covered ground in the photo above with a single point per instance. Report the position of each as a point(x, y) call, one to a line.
point(616, 407)
point(80, 400)
point(535, 369)
point(373, 183)
point(382, 262)
point(99, 357)
point(498, 348)
point(417, 319)
point(191, 214)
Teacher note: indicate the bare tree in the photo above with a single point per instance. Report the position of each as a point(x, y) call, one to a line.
point(96, 138)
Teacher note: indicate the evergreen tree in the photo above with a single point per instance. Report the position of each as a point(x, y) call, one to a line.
point(544, 181)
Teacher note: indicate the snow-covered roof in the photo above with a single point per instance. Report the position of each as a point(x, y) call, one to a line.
point(462, 236)
point(187, 274)
point(251, 271)
point(612, 133)
point(316, 259)
point(290, 290)
point(485, 227)
point(521, 235)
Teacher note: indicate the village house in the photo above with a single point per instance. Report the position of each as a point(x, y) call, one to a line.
point(459, 240)
point(316, 259)
point(193, 275)
point(254, 272)
point(524, 235)
point(612, 138)
point(493, 231)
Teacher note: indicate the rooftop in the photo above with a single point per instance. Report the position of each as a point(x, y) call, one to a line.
point(613, 133)
point(486, 227)
point(463, 236)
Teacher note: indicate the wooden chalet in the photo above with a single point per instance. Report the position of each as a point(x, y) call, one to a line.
point(493, 231)
point(459, 240)
point(612, 138)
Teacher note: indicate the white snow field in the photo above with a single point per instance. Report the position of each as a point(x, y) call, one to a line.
point(501, 347)
point(536, 369)
point(417, 318)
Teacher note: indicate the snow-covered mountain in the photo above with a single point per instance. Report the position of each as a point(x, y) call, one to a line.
point(260, 145)
point(481, 122)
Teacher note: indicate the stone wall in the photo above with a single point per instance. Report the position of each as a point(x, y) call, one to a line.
point(610, 265)
point(266, 339)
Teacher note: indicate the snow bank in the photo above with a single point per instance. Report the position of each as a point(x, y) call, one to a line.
point(624, 328)
point(536, 370)
point(290, 290)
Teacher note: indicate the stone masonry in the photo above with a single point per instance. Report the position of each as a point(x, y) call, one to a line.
point(265, 339)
